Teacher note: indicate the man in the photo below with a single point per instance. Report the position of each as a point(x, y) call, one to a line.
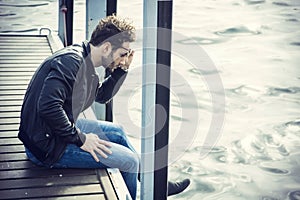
point(64, 85)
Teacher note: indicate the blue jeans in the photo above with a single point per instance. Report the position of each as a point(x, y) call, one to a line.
point(123, 156)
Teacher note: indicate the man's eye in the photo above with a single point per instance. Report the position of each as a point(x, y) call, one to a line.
point(124, 54)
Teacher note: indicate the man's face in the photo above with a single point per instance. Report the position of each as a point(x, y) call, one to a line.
point(117, 57)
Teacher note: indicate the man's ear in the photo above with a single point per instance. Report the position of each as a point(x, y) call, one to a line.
point(107, 48)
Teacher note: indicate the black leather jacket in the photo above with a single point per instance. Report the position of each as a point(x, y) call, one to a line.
point(63, 86)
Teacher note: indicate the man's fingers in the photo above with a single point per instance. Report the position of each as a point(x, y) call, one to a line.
point(103, 142)
point(104, 148)
point(95, 156)
point(131, 53)
point(129, 59)
point(101, 153)
point(94, 145)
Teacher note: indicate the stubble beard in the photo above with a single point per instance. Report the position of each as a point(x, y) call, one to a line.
point(108, 62)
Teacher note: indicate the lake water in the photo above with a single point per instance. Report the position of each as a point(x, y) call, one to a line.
point(254, 46)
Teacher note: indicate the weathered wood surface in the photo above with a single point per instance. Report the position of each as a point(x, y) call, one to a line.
point(19, 178)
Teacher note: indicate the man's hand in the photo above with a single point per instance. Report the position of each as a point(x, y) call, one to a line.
point(93, 144)
point(124, 62)
point(128, 60)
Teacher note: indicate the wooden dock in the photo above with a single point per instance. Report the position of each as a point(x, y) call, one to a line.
point(20, 55)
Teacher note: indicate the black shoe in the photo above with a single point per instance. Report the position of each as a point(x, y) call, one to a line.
point(177, 187)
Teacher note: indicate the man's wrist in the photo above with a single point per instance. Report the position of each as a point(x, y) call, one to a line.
point(124, 68)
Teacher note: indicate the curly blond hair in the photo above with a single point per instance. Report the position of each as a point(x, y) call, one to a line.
point(113, 29)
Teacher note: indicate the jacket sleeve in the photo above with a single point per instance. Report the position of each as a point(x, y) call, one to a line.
point(110, 86)
point(56, 89)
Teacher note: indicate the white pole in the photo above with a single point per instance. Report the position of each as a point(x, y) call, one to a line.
point(148, 99)
point(95, 10)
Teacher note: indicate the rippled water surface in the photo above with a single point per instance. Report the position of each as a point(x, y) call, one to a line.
point(254, 46)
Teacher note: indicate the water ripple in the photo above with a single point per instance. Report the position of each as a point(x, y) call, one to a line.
point(292, 20)
point(275, 91)
point(200, 41)
point(204, 187)
point(267, 198)
point(8, 14)
point(293, 124)
point(237, 31)
point(275, 170)
point(294, 195)
point(24, 5)
point(19, 31)
point(295, 43)
point(203, 72)
point(281, 3)
point(216, 149)
point(250, 2)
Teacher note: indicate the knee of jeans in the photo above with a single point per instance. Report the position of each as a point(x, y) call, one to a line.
point(132, 164)
point(119, 128)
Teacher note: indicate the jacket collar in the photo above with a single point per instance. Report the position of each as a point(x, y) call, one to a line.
point(87, 56)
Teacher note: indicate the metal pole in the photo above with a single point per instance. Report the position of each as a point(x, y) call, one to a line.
point(164, 34)
point(148, 99)
point(61, 21)
point(111, 7)
point(69, 21)
point(65, 21)
point(95, 11)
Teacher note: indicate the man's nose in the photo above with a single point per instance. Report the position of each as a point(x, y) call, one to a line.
point(123, 60)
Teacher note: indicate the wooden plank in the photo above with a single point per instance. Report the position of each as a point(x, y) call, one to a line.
point(21, 58)
point(19, 69)
point(10, 157)
point(7, 99)
point(48, 181)
point(26, 164)
point(32, 61)
point(20, 38)
point(19, 177)
point(21, 81)
point(14, 78)
point(11, 87)
point(12, 120)
point(11, 54)
point(107, 184)
point(10, 82)
point(16, 73)
point(9, 114)
point(51, 191)
point(26, 51)
point(10, 141)
point(8, 85)
point(9, 109)
point(23, 37)
point(10, 103)
point(12, 97)
point(8, 134)
point(11, 92)
point(85, 197)
point(23, 43)
point(9, 127)
point(10, 149)
point(7, 46)
point(42, 172)
point(18, 65)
